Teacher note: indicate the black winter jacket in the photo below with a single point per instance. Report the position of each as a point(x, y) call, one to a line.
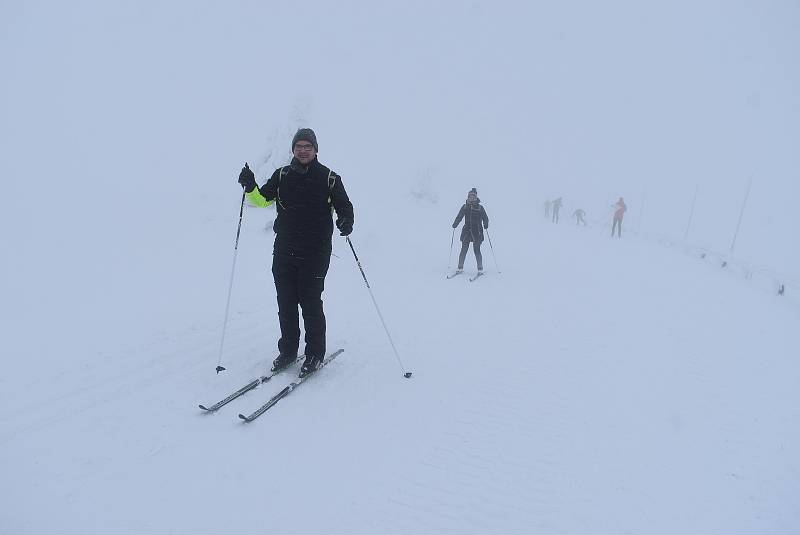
point(304, 197)
point(475, 220)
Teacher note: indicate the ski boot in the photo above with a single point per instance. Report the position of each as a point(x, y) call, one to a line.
point(283, 360)
point(310, 365)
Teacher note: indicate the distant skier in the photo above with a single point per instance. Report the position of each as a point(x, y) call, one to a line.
point(306, 192)
point(578, 215)
point(556, 207)
point(475, 220)
point(547, 204)
point(619, 213)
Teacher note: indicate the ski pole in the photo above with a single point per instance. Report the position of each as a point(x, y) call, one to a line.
point(606, 219)
point(450, 258)
point(230, 286)
point(492, 248)
point(406, 374)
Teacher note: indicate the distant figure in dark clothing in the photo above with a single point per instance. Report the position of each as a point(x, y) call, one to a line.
point(556, 207)
point(547, 204)
point(619, 213)
point(578, 215)
point(475, 220)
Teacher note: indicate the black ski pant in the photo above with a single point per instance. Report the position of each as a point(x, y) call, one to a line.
point(476, 246)
point(300, 281)
point(618, 227)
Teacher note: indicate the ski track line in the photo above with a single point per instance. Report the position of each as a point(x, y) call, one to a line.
point(104, 392)
point(155, 345)
point(193, 357)
point(154, 365)
point(35, 422)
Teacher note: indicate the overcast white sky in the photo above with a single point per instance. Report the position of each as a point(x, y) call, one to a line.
point(138, 101)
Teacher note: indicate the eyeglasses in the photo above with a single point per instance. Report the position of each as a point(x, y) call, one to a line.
point(303, 147)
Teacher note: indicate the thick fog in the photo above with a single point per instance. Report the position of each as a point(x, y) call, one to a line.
point(116, 113)
point(594, 386)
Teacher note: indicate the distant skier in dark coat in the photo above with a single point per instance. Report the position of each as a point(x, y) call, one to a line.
point(557, 204)
point(619, 214)
point(578, 215)
point(475, 220)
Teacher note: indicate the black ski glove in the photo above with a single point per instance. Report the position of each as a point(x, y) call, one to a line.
point(247, 179)
point(345, 226)
point(455, 225)
point(486, 226)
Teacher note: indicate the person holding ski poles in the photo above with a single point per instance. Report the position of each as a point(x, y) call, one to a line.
point(305, 193)
point(475, 220)
point(619, 213)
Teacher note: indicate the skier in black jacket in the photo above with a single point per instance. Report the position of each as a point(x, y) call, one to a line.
point(475, 220)
point(305, 192)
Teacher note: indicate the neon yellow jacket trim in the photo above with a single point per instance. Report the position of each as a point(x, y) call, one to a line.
point(257, 199)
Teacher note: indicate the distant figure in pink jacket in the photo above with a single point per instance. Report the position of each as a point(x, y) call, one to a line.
point(621, 208)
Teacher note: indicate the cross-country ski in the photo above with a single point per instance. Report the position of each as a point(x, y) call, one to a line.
point(246, 388)
point(287, 390)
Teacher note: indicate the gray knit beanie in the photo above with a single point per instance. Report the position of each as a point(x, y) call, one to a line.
point(305, 134)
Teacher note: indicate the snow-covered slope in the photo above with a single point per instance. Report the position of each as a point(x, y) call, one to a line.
point(594, 386)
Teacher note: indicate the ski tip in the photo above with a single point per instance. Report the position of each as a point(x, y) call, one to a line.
point(243, 417)
point(407, 375)
point(220, 369)
point(203, 407)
